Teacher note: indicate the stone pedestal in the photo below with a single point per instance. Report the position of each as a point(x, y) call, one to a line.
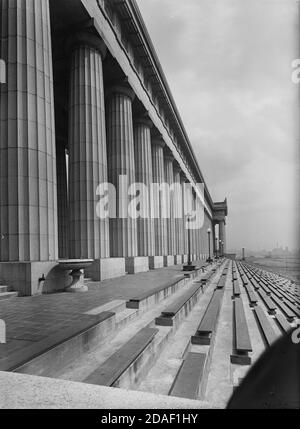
point(169, 260)
point(156, 262)
point(136, 264)
point(106, 268)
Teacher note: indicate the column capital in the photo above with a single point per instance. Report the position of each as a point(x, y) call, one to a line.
point(158, 141)
point(121, 88)
point(85, 38)
point(177, 168)
point(143, 120)
point(168, 155)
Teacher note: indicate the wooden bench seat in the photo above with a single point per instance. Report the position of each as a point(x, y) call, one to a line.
point(292, 307)
point(254, 284)
point(282, 322)
point(284, 308)
point(188, 380)
point(267, 301)
point(221, 283)
point(167, 316)
point(265, 326)
point(135, 301)
point(110, 371)
point(236, 288)
point(253, 299)
point(241, 337)
point(209, 320)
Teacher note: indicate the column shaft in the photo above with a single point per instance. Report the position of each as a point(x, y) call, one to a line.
point(178, 212)
point(160, 231)
point(123, 231)
point(89, 235)
point(28, 195)
point(62, 200)
point(143, 174)
point(169, 179)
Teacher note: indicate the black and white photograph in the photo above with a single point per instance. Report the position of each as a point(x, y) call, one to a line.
point(149, 209)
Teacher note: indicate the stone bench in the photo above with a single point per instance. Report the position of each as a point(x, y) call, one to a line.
point(265, 326)
point(157, 294)
point(108, 373)
point(187, 383)
point(267, 301)
point(241, 337)
point(209, 320)
point(167, 317)
point(221, 282)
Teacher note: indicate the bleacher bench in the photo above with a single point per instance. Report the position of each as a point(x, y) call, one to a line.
point(110, 371)
point(209, 320)
point(265, 326)
point(242, 343)
point(188, 380)
point(167, 316)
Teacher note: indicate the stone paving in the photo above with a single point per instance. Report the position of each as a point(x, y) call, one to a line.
point(33, 319)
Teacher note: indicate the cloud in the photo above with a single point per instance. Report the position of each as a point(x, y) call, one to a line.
point(228, 63)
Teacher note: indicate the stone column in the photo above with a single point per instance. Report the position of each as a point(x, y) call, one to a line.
point(178, 201)
point(62, 199)
point(169, 179)
point(183, 181)
point(160, 231)
point(222, 236)
point(89, 234)
point(28, 195)
point(123, 229)
point(144, 175)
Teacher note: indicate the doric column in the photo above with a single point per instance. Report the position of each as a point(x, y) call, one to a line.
point(144, 175)
point(222, 236)
point(178, 201)
point(169, 179)
point(123, 229)
point(160, 231)
point(28, 196)
point(183, 181)
point(62, 199)
point(89, 235)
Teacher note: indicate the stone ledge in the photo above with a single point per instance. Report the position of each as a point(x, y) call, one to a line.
point(22, 391)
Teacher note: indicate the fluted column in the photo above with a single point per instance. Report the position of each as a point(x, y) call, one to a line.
point(179, 239)
point(169, 179)
point(222, 235)
point(160, 231)
point(28, 195)
point(62, 199)
point(183, 181)
point(123, 230)
point(144, 175)
point(89, 234)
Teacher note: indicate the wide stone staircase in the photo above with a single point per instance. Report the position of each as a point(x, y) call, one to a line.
point(193, 337)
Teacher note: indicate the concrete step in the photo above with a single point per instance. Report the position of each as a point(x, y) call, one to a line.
point(6, 295)
point(3, 288)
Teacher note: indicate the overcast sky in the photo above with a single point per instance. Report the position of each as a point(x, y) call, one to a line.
point(228, 63)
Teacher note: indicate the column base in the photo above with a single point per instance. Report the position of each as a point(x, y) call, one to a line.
point(184, 259)
point(33, 278)
point(178, 259)
point(106, 268)
point(137, 264)
point(156, 262)
point(168, 260)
